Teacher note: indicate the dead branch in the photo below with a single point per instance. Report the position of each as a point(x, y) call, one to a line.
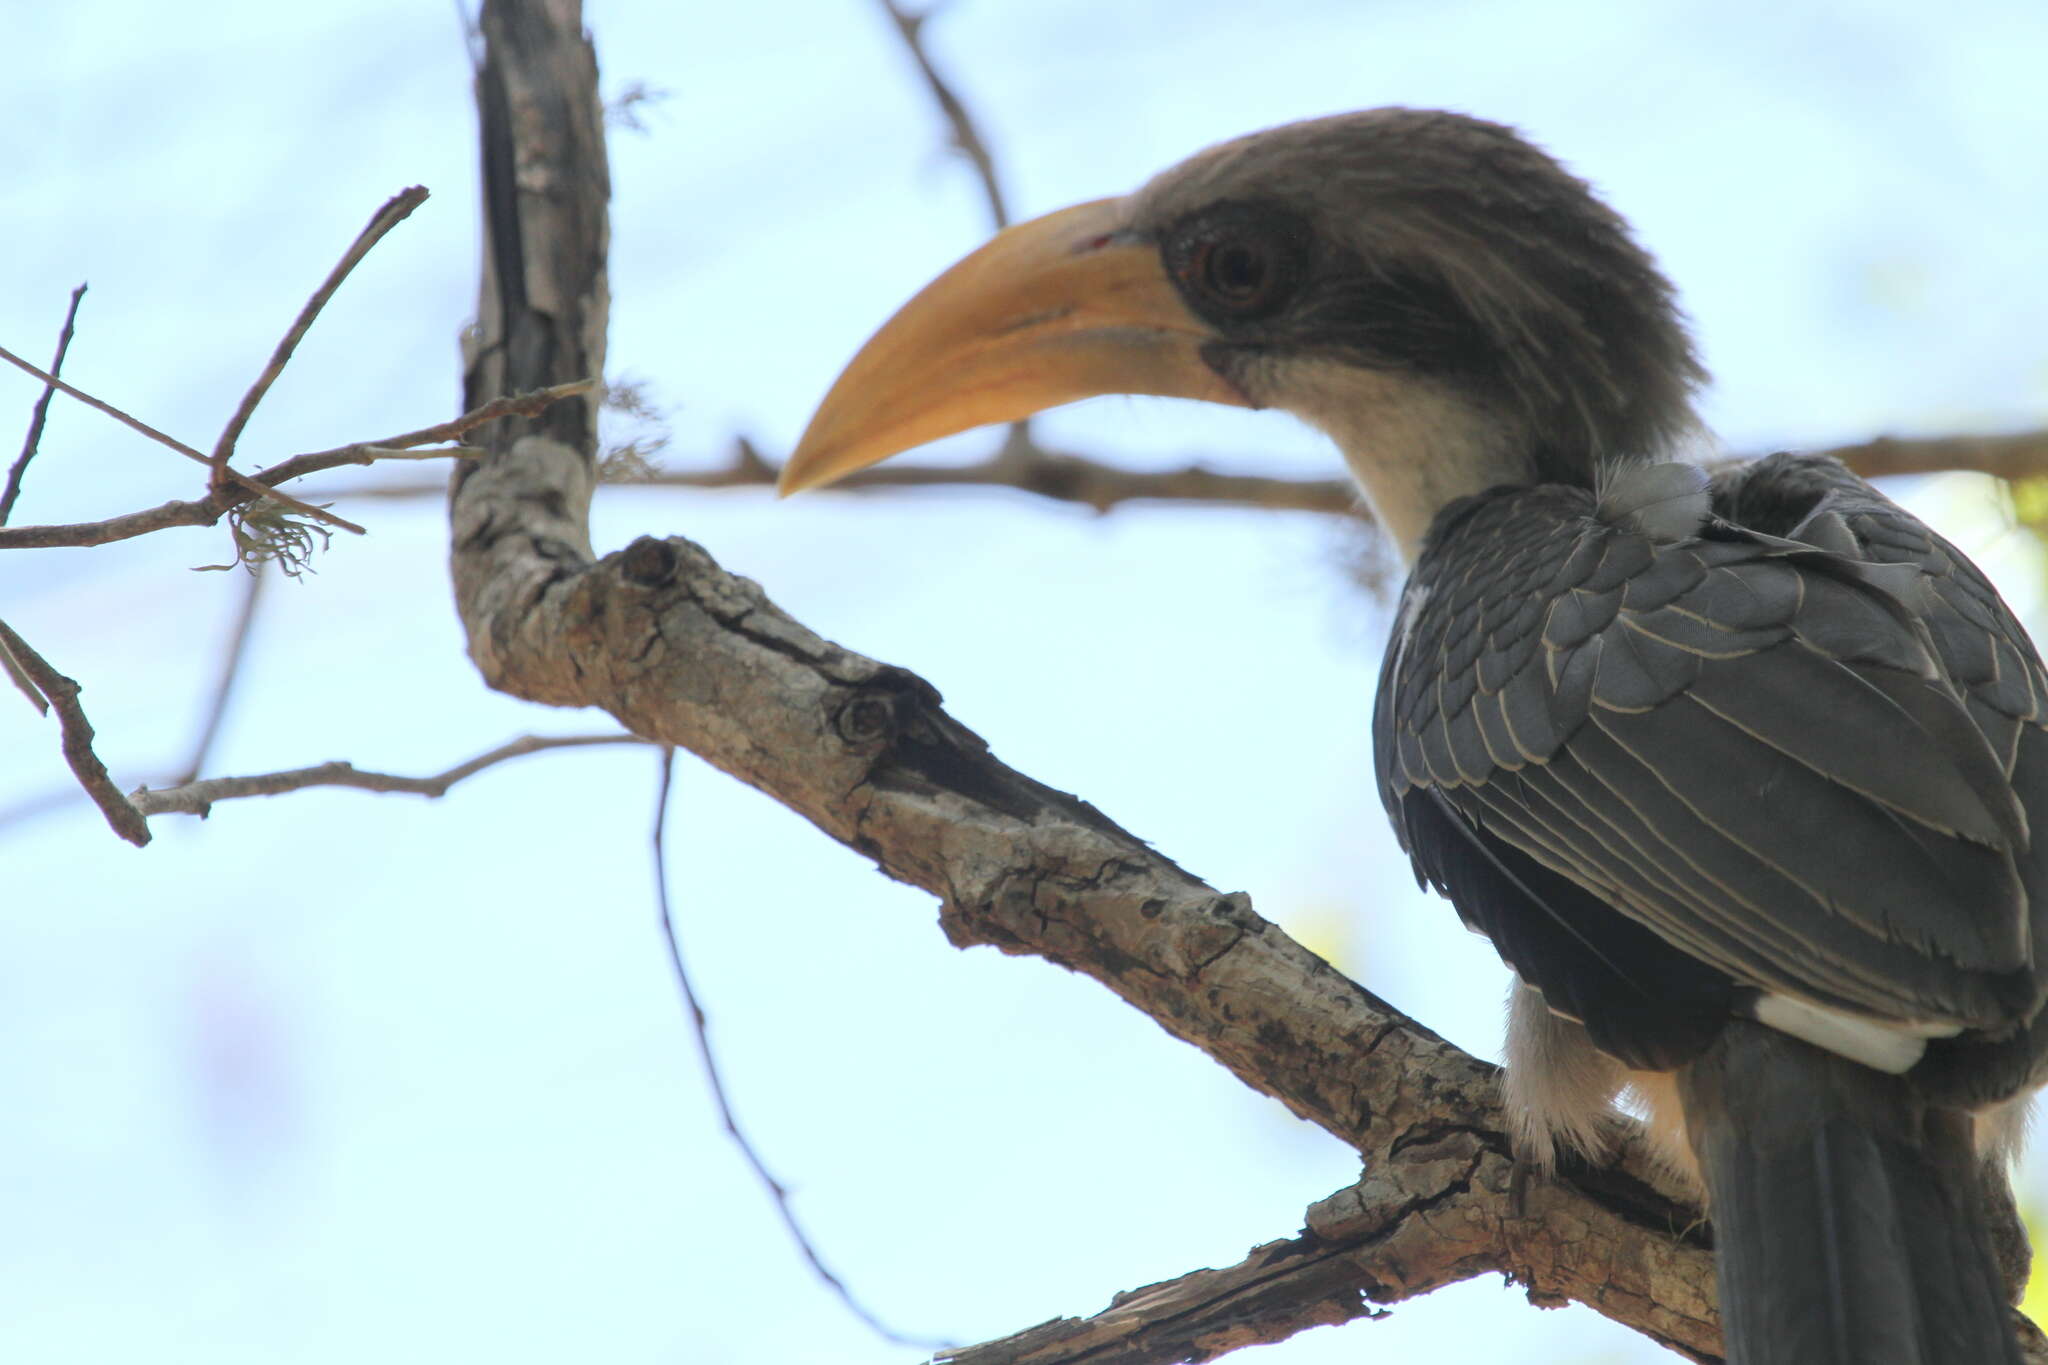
point(1446, 1209)
point(197, 798)
point(714, 1078)
point(41, 411)
point(252, 488)
point(230, 670)
point(395, 211)
point(218, 502)
point(964, 136)
point(77, 732)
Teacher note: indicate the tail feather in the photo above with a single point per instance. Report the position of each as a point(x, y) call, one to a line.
point(1848, 1226)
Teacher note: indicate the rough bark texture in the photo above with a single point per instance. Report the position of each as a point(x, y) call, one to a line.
point(682, 652)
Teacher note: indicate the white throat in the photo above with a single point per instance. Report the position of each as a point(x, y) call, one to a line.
point(1412, 445)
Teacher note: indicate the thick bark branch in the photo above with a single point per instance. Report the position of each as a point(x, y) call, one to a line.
point(1444, 1208)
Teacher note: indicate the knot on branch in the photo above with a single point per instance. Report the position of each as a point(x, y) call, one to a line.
point(649, 562)
point(892, 705)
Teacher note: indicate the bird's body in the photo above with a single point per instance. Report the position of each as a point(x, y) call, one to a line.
point(1741, 776)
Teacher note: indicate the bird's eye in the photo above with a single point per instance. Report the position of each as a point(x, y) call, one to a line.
point(1237, 262)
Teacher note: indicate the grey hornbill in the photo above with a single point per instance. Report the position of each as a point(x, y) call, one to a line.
point(1737, 773)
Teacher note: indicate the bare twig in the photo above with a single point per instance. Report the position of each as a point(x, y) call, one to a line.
point(395, 211)
point(77, 733)
point(217, 503)
point(627, 108)
point(966, 138)
point(197, 798)
point(700, 1027)
point(41, 412)
point(250, 486)
point(21, 681)
point(230, 669)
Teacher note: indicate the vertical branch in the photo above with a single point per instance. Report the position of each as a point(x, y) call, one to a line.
point(541, 315)
point(41, 413)
point(701, 1029)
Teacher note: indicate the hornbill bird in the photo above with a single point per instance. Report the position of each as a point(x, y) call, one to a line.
point(1738, 772)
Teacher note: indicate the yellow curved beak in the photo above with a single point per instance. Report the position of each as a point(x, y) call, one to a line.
point(1051, 311)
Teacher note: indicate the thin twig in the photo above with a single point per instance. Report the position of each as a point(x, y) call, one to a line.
point(21, 681)
point(197, 798)
point(530, 404)
point(252, 487)
point(230, 669)
point(77, 734)
point(216, 504)
point(700, 1026)
point(41, 412)
point(966, 137)
point(395, 211)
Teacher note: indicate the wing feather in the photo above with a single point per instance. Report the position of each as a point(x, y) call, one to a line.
point(1803, 772)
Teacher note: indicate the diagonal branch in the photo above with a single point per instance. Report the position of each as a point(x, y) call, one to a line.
point(395, 211)
point(965, 136)
point(77, 733)
point(41, 412)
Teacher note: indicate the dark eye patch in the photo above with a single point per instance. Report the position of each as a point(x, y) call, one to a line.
point(1238, 262)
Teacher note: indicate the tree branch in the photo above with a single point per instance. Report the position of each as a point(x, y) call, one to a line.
point(964, 135)
point(714, 1078)
point(394, 211)
point(1431, 1213)
point(77, 734)
point(197, 798)
point(230, 670)
point(1061, 476)
point(217, 503)
point(251, 488)
point(41, 411)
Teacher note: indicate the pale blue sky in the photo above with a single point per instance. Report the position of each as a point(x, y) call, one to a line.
point(338, 1077)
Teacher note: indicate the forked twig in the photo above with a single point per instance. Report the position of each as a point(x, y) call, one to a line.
point(395, 211)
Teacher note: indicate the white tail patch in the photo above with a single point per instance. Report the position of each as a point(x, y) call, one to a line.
point(1890, 1045)
point(1666, 502)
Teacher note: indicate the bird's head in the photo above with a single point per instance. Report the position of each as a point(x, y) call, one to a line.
point(1453, 307)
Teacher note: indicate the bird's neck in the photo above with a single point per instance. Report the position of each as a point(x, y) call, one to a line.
point(1416, 447)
